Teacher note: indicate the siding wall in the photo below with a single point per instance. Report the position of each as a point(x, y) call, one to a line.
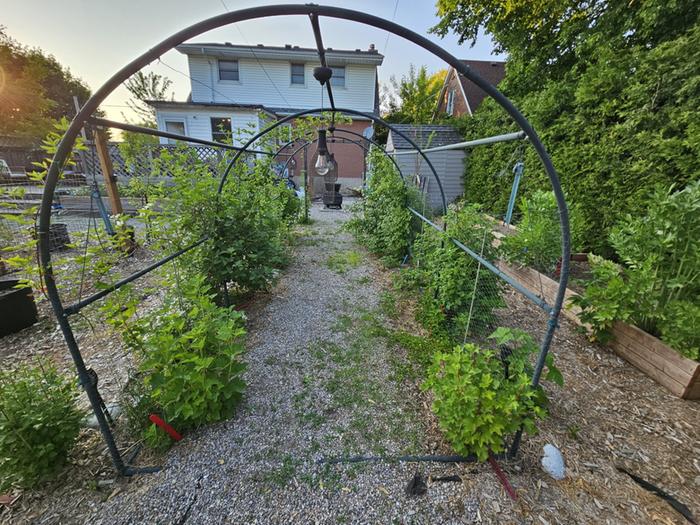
point(450, 168)
point(254, 87)
point(198, 123)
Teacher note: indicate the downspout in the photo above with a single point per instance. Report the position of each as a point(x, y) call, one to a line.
point(211, 77)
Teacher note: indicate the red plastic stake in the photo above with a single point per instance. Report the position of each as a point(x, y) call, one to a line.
point(162, 424)
point(502, 477)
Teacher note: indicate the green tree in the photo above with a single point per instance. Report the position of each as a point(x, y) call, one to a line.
point(144, 87)
point(35, 90)
point(612, 88)
point(413, 98)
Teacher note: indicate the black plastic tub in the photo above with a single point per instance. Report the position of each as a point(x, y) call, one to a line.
point(17, 307)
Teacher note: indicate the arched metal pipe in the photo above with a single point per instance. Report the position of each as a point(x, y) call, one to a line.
point(347, 111)
point(356, 142)
point(65, 146)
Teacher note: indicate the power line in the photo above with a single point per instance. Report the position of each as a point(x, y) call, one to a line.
point(197, 81)
point(388, 34)
point(250, 47)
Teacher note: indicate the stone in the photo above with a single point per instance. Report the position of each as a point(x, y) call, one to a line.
point(553, 462)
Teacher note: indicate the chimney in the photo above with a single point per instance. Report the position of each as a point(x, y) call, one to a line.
point(288, 46)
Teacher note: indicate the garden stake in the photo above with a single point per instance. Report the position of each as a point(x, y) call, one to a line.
point(502, 478)
point(162, 424)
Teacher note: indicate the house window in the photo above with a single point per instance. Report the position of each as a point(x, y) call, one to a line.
point(451, 102)
point(298, 74)
point(338, 78)
point(175, 126)
point(221, 129)
point(228, 69)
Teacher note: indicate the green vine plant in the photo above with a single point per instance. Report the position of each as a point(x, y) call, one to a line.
point(458, 297)
point(381, 220)
point(20, 242)
point(483, 395)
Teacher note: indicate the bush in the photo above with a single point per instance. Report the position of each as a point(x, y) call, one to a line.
point(39, 423)
point(248, 224)
point(537, 242)
point(658, 286)
point(189, 354)
point(381, 221)
point(615, 112)
point(483, 395)
point(453, 300)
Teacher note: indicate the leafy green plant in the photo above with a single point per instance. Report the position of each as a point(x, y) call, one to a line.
point(658, 284)
point(482, 396)
point(454, 300)
point(381, 220)
point(189, 353)
point(537, 242)
point(21, 247)
point(39, 423)
point(247, 225)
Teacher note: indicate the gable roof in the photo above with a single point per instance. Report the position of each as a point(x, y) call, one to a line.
point(426, 136)
point(492, 71)
point(288, 52)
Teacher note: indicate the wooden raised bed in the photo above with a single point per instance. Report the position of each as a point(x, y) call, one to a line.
point(659, 361)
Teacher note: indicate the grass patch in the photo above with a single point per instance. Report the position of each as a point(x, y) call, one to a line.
point(283, 475)
point(388, 304)
point(419, 354)
point(341, 262)
point(343, 323)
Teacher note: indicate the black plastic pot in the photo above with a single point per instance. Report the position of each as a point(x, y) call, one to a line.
point(17, 308)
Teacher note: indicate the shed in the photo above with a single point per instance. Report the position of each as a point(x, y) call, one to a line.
point(449, 164)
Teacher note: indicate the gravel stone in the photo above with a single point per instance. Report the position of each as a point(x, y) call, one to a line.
point(315, 390)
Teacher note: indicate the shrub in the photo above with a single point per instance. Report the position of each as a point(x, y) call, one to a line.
point(189, 353)
point(483, 395)
point(39, 423)
point(247, 224)
point(453, 299)
point(381, 221)
point(658, 285)
point(537, 242)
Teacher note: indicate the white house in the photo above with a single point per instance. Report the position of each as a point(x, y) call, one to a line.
point(237, 87)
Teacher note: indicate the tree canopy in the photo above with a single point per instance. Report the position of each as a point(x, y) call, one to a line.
point(611, 87)
point(144, 87)
point(413, 98)
point(35, 90)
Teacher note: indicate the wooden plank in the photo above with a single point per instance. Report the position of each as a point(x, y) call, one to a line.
point(693, 389)
point(670, 366)
point(674, 386)
point(656, 346)
point(659, 369)
point(115, 202)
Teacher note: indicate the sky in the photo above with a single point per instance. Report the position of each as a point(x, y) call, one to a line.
point(94, 38)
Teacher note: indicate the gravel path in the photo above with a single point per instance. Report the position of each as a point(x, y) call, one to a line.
point(319, 386)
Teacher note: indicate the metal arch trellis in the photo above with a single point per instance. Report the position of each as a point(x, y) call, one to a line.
point(314, 12)
point(356, 142)
point(347, 111)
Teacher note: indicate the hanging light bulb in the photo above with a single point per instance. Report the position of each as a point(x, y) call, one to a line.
point(322, 162)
